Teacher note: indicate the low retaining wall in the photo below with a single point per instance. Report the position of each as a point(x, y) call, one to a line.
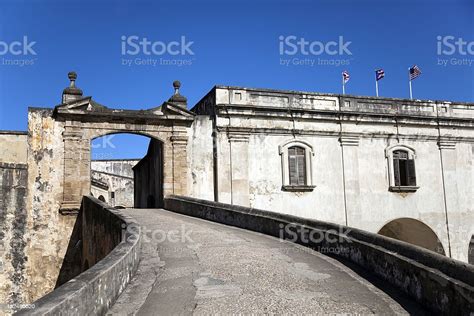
point(441, 284)
point(112, 253)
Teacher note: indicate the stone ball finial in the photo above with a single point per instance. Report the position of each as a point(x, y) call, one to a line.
point(72, 75)
point(176, 84)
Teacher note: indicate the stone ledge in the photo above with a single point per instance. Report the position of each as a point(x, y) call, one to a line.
point(11, 165)
point(403, 188)
point(298, 188)
point(439, 283)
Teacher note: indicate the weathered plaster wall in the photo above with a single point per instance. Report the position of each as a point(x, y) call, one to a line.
point(118, 175)
point(13, 218)
point(350, 170)
point(266, 191)
point(14, 146)
point(122, 167)
point(201, 155)
point(47, 231)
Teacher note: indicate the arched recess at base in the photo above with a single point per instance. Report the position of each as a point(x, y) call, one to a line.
point(414, 232)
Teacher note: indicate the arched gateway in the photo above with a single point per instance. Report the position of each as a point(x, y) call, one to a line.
point(84, 119)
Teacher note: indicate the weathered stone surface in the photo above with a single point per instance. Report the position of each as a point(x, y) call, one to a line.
point(111, 250)
point(47, 231)
point(13, 239)
point(13, 147)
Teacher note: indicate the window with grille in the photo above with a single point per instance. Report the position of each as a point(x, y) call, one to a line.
point(297, 165)
point(403, 169)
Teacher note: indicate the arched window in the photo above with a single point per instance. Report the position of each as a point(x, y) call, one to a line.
point(402, 172)
point(403, 169)
point(296, 163)
point(296, 166)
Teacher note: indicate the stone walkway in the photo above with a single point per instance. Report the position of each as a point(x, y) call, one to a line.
point(207, 268)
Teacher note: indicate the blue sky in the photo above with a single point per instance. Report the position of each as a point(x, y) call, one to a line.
point(233, 43)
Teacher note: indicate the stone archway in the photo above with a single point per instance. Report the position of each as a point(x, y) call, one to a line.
point(414, 232)
point(84, 120)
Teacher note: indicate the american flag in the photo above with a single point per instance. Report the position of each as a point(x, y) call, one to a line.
point(379, 74)
point(345, 76)
point(414, 72)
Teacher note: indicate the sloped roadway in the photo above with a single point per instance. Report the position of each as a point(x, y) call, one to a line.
point(192, 266)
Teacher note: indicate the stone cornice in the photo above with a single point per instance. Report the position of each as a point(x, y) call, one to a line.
point(179, 139)
point(72, 133)
point(336, 133)
point(343, 114)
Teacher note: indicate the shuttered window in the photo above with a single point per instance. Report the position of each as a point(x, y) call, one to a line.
point(403, 169)
point(297, 165)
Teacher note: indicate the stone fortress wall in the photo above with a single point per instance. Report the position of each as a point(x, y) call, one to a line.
point(233, 148)
point(349, 143)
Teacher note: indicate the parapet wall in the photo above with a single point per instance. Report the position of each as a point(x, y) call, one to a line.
point(110, 257)
point(13, 242)
point(441, 284)
point(14, 147)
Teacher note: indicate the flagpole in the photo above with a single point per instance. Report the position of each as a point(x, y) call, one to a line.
point(376, 87)
point(343, 86)
point(409, 80)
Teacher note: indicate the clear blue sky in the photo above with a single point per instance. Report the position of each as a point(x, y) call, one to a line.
point(234, 43)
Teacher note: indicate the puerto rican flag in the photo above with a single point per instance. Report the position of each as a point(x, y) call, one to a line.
point(379, 74)
point(345, 76)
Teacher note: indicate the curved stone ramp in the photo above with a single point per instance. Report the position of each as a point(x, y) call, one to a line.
point(193, 266)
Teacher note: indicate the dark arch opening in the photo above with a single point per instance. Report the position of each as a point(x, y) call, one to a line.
point(470, 255)
point(414, 232)
point(101, 198)
point(129, 165)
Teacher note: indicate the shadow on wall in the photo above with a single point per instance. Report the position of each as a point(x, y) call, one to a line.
point(470, 255)
point(148, 177)
point(94, 235)
point(414, 232)
point(72, 263)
